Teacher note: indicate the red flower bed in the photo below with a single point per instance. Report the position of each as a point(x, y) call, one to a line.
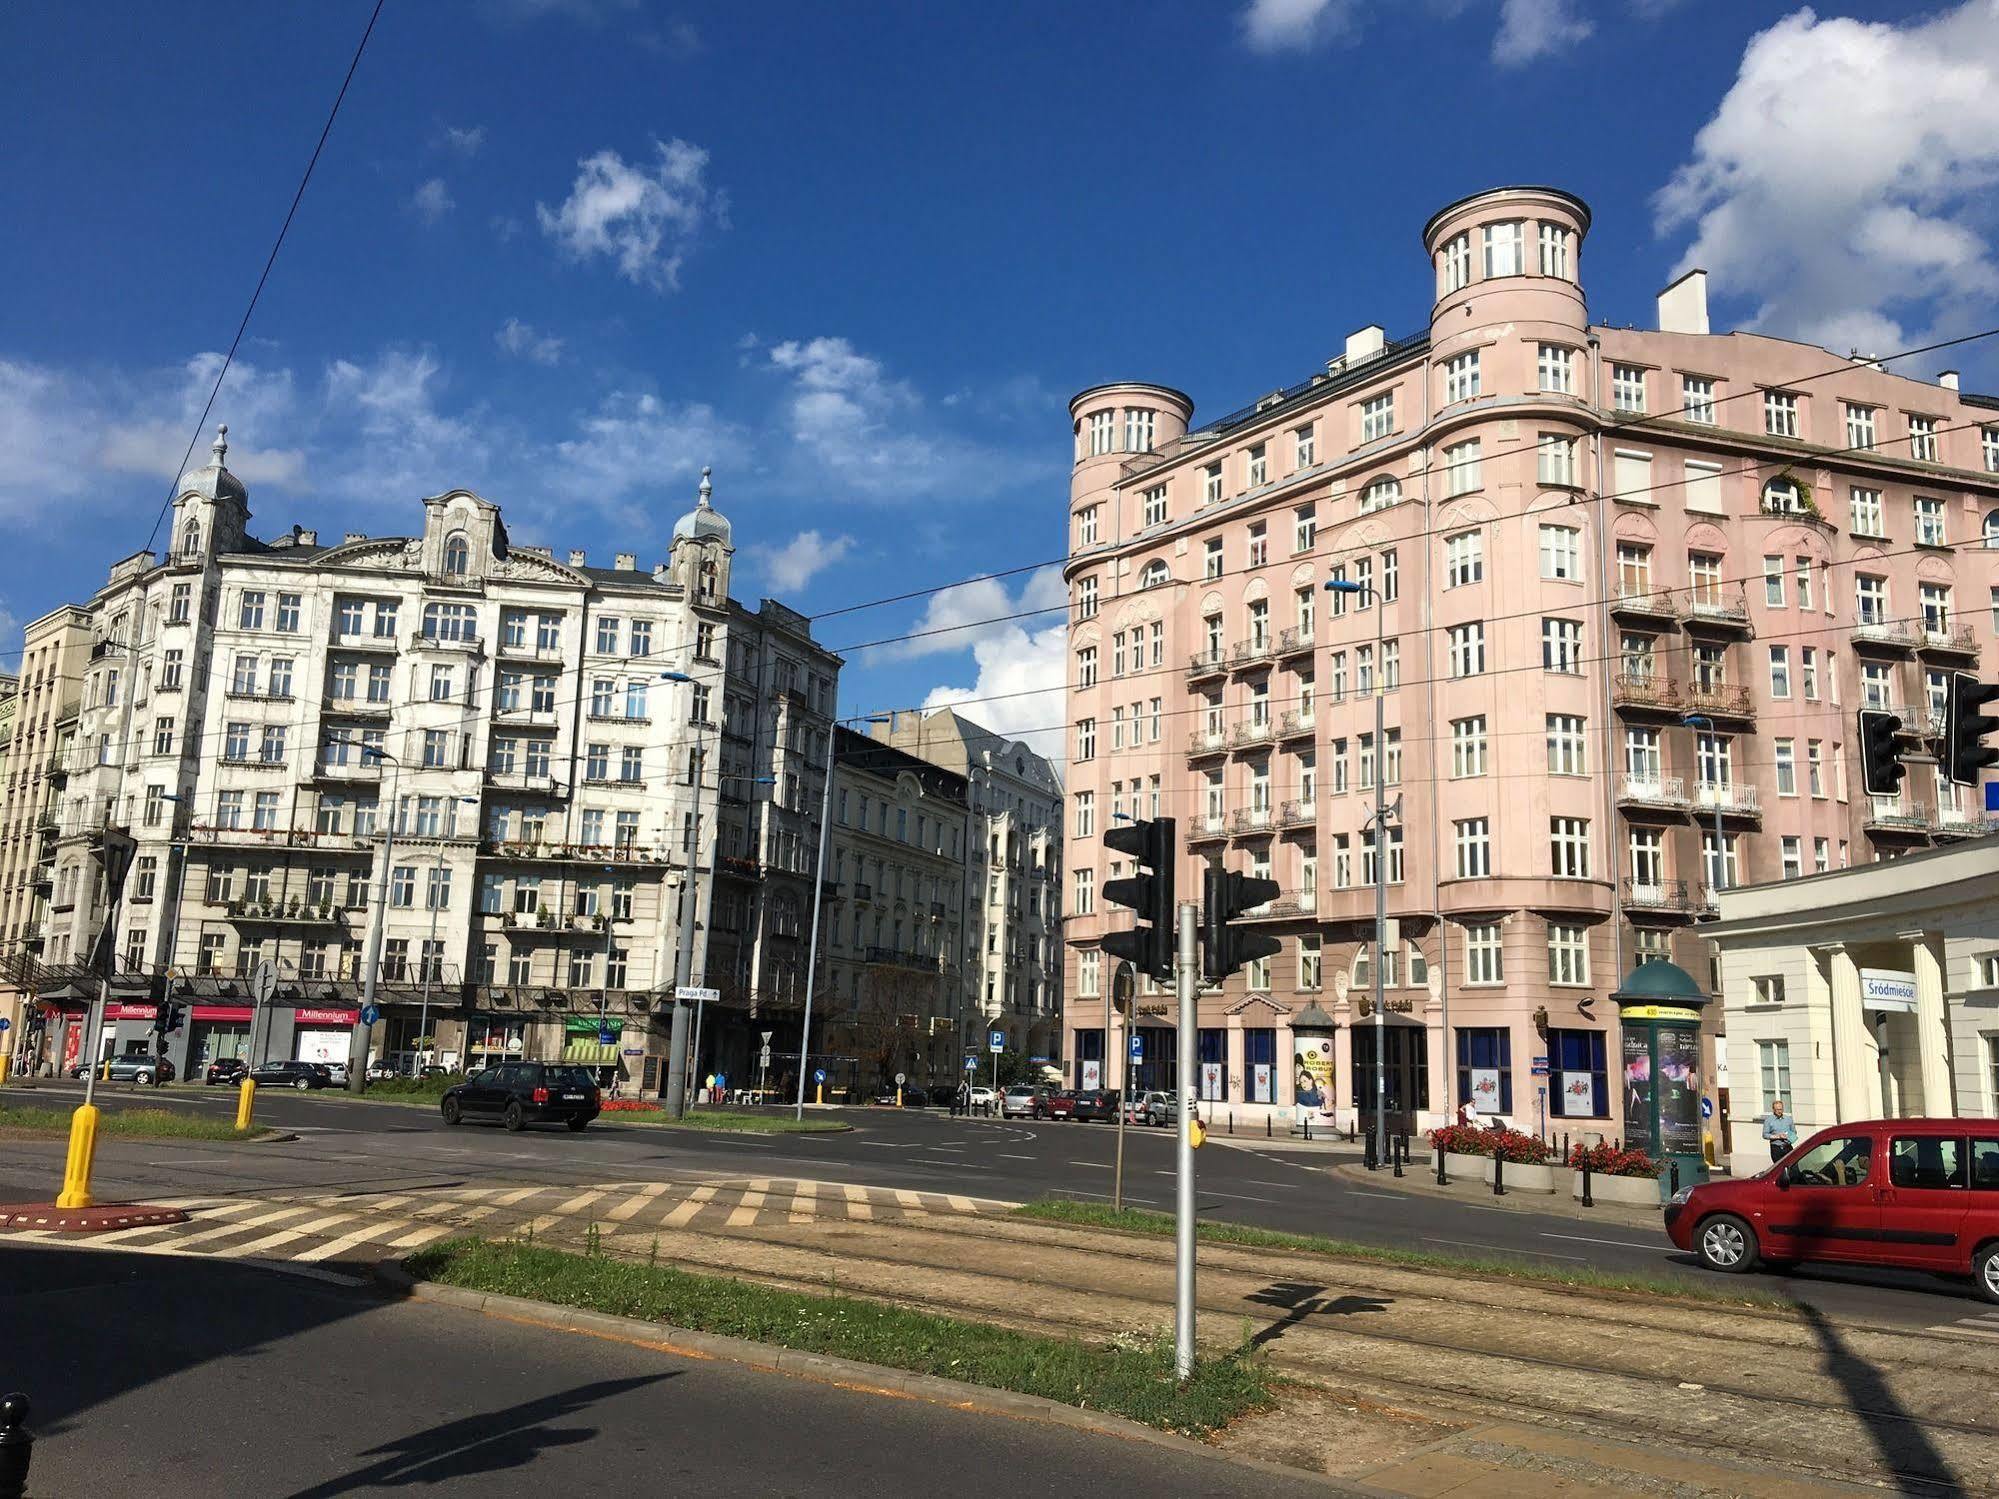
point(1612, 1160)
point(628, 1106)
point(1506, 1144)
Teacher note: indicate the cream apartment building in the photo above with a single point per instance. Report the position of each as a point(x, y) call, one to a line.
point(546, 739)
point(1625, 591)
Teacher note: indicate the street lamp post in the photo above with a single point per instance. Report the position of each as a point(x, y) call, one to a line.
point(1380, 964)
point(1720, 877)
point(357, 1046)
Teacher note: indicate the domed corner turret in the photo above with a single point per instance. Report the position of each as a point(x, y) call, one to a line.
point(703, 543)
point(1509, 254)
point(1118, 424)
point(211, 507)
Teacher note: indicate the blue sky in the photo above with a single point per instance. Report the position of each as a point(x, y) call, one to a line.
point(564, 252)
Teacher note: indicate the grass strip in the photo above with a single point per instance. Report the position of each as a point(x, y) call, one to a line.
point(1132, 1377)
point(156, 1124)
point(1138, 1220)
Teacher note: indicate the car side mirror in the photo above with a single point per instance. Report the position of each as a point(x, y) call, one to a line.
point(1783, 1178)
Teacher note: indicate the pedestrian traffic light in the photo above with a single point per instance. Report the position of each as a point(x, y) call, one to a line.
point(1965, 728)
point(1226, 895)
point(1148, 946)
point(175, 1014)
point(1881, 768)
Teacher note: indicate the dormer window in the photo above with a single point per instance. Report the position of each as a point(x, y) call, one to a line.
point(457, 555)
point(190, 540)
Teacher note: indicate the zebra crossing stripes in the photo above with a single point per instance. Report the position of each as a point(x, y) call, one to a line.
point(1984, 1326)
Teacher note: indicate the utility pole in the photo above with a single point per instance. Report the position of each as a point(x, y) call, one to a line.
point(357, 1046)
point(683, 967)
point(1185, 969)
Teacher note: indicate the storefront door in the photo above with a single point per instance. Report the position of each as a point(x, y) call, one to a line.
point(1408, 1075)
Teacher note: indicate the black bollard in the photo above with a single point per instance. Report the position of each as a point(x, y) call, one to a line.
point(1367, 1151)
point(1676, 1178)
point(1308, 1127)
point(1498, 1176)
point(1266, 1126)
point(1588, 1201)
point(17, 1446)
point(1399, 1149)
point(1442, 1180)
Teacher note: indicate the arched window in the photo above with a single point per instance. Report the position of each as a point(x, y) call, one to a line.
point(457, 555)
point(190, 540)
point(1380, 495)
point(1155, 573)
point(1992, 531)
point(1781, 496)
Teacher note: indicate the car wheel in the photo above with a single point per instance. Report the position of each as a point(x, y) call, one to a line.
point(1985, 1272)
point(302, 1084)
point(577, 1126)
point(514, 1119)
point(451, 1112)
point(143, 1079)
point(1724, 1242)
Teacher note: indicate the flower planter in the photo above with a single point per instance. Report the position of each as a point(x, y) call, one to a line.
point(1469, 1168)
point(1520, 1177)
point(1625, 1191)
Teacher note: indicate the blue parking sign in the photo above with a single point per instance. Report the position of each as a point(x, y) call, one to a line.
point(1137, 1047)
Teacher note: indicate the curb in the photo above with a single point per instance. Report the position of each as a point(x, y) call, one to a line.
point(848, 1374)
point(1548, 1204)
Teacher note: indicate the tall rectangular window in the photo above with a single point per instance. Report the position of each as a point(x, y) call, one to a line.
point(1568, 953)
point(1697, 399)
point(1473, 842)
point(1780, 413)
point(1461, 377)
point(1555, 251)
point(1562, 645)
point(1567, 744)
point(1305, 446)
point(1377, 417)
point(1568, 847)
point(1929, 521)
point(1467, 649)
point(1461, 467)
point(1627, 387)
point(1211, 484)
point(1483, 964)
point(1485, 1068)
point(1468, 747)
point(1866, 510)
point(1560, 557)
point(1464, 558)
point(1155, 506)
point(1556, 367)
point(1859, 427)
point(1137, 431)
point(1454, 264)
point(1502, 249)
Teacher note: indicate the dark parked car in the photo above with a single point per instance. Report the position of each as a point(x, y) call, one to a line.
point(1060, 1104)
point(518, 1094)
point(140, 1067)
point(225, 1070)
point(1098, 1106)
point(913, 1097)
point(300, 1075)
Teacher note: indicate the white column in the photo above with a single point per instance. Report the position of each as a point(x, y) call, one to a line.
point(1857, 1084)
point(1235, 1077)
point(1287, 1090)
point(1932, 1029)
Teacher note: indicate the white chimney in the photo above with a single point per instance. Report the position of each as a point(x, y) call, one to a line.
point(1683, 305)
point(576, 559)
point(354, 536)
point(308, 538)
point(1365, 344)
point(628, 562)
point(1948, 379)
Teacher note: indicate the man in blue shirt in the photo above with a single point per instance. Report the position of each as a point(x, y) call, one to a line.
point(1780, 1130)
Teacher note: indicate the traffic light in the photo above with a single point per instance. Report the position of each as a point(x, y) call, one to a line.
point(1225, 895)
point(1965, 728)
point(1881, 769)
point(1148, 946)
point(176, 1013)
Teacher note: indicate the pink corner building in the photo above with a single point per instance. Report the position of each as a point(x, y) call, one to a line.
point(1622, 588)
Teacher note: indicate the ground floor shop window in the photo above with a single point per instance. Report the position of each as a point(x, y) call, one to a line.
point(1579, 1086)
point(1485, 1068)
point(1259, 1064)
point(1214, 1070)
point(1090, 1059)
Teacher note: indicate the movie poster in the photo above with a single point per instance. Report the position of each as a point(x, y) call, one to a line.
point(1637, 1054)
point(1312, 1065)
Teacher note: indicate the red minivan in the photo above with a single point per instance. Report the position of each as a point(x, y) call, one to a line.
point(1919, 1194)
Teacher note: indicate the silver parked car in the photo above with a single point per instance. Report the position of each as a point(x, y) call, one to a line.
point(1018, 1102)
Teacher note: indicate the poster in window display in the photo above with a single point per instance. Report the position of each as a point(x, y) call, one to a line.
point(1575, 1095)
point(1636, 1049)
point(1093, 1074)
point(1260, 1084)
point(1211, 1082)
point(1485, 1090)
point(1679, 1089)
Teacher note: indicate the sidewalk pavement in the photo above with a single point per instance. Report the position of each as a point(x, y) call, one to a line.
point(1420, 1180)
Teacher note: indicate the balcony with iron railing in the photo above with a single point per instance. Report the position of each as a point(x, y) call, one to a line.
point(355, 707)
point(1675, 898)
point(1889, 636)
point(1286, 907)
point(330, 771)
point(525, 650)
point(1205, 829)
point(526, 784)
point(1251, 822)
point(1952, 823)
point(1206, 664)
point(1949, 640)
point(1717, 609)
point(895, 957)
point(1640, 600)
point(587, 853)
point(1296, 724)
point(238, 835)
point(1730, 798)
point(1202, 742)
point(255, 695)
point(1294, 642)
point(1719, 700)
point(1645, 692)
point(359, 641)
point(1653, 793)
point(282, 911)
point(470, 645)
point(1249, 653)
point(1298, 814)
point(1892, 819)
point(1251, 732)
point(1923, 722)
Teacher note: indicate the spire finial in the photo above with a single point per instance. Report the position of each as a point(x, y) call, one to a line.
point(220, 447)
point(706, 488)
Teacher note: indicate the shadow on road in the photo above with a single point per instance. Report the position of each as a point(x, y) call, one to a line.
point(1904, 1448)
point(487, 1443)
point(1300, 1300)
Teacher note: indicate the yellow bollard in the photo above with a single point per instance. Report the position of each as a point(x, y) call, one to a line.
point(82, 1150)
point(898, 1095)
point(1197, 1132)
point(820, 1091)
point(6, 1064)
point(104, 1072)
point(244, 1100)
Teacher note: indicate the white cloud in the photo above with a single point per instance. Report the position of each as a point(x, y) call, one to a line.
point(1531, 29)
point(432, 200)
point(644, 219)
point(1022, 664)
point(636, 443)
point(1844, 183)
point(1294, 25)
point(464, 139)
point(48, 420)
point(405, 445)
point(790, 567)
point(523, 342)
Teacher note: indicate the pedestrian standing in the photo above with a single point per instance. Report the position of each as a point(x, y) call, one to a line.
point(1780, 1130)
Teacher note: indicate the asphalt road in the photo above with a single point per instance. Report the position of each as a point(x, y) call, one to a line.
point(360, 1146)
point(186, 1376)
